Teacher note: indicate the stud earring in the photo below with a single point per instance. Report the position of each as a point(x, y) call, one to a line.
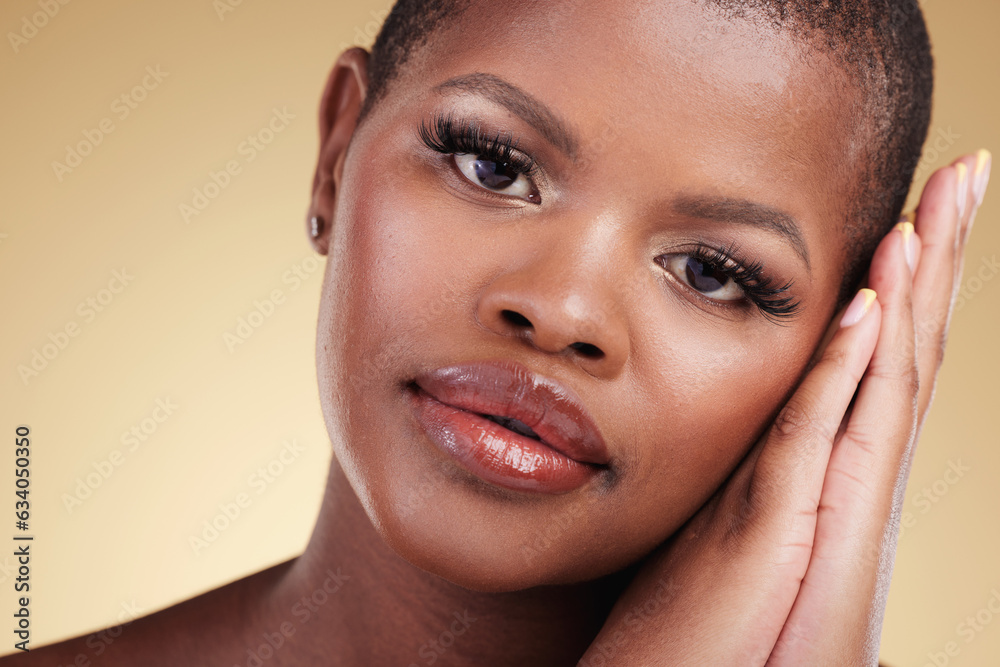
point(316, 225)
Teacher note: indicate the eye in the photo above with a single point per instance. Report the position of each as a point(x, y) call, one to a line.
point(728, 275)
point(489, 160)
point(704, 277)
point(501, 177)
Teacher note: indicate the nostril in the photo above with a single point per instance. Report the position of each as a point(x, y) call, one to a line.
point(515, 318)
point(588, 350)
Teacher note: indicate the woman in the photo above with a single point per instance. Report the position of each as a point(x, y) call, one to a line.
point(600, 383)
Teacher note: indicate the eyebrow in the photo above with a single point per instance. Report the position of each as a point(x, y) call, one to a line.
point(557, 132)
point(522, 104)
point(745, 212)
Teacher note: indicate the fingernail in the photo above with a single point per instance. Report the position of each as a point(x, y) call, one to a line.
point(981, 175)
point(909, 244)
point(962, 197)
point(859, 307)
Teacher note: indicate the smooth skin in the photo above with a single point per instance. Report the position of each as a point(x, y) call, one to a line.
point(790, 562)
point(763, 522)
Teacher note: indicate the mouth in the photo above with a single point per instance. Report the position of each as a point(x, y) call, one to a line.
point(515, 425)
point(509, 427)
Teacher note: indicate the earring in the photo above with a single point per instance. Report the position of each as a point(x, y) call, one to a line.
point(316, 225)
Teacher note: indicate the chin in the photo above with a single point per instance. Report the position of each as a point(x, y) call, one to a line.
point(462, 557)
point(449, 521)
point(444, 521)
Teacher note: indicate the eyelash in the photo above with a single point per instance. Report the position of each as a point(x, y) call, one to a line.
point(449, 136)
point(761, 289)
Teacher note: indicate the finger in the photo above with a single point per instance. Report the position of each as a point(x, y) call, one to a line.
point(934, 282)
point(972, 189)
point(886, 402)
point(970, 172)
point(869, 465)
point(862, 491)
point(721, 591)
point(788, 474)
point(978, 181)
point(936, 223)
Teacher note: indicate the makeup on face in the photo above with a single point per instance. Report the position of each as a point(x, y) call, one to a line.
point(495, 167)
point(510, 426)
point(511, 281)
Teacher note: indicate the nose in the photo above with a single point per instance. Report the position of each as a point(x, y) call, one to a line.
point(560, 305)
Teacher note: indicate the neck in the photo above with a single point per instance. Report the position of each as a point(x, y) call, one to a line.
point(350, 597)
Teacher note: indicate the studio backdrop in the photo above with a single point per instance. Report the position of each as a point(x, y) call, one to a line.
point(159, 301)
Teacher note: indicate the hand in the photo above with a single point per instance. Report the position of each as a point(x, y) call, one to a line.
point(789, 563)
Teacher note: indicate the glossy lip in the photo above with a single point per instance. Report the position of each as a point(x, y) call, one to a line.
point(450, 404)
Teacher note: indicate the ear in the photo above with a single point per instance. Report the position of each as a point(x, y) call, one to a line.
point(338, 117)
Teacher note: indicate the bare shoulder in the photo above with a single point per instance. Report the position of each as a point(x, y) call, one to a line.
point(202, 630)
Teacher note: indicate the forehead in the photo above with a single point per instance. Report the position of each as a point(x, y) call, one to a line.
point(693, 96)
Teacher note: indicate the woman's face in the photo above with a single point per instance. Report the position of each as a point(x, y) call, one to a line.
point(670, 155)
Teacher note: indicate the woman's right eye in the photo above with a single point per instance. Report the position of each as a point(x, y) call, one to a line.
point(499, 177)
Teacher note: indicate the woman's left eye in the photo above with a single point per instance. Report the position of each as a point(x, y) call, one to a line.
point(497, 177)
point(704, 277)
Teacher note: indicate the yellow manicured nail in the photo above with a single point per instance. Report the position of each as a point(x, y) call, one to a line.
point(963, 189)
point(909, 244)
point(981, 176)
point(859, 307)
point(982, 158)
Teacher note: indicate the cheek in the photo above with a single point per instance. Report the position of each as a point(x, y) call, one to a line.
point(402, 284)
point(701, 398)
point(394, 288)
point(407, 282)
point(383, 279)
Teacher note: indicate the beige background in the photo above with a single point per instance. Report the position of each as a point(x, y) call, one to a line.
point(127, 545)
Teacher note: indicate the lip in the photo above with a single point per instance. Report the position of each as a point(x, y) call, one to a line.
point(450, 404)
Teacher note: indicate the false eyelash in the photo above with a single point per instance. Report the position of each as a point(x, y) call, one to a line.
point(447, 135)
point(771, 299)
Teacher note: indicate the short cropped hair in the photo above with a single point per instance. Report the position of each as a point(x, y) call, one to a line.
point(882, 45)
